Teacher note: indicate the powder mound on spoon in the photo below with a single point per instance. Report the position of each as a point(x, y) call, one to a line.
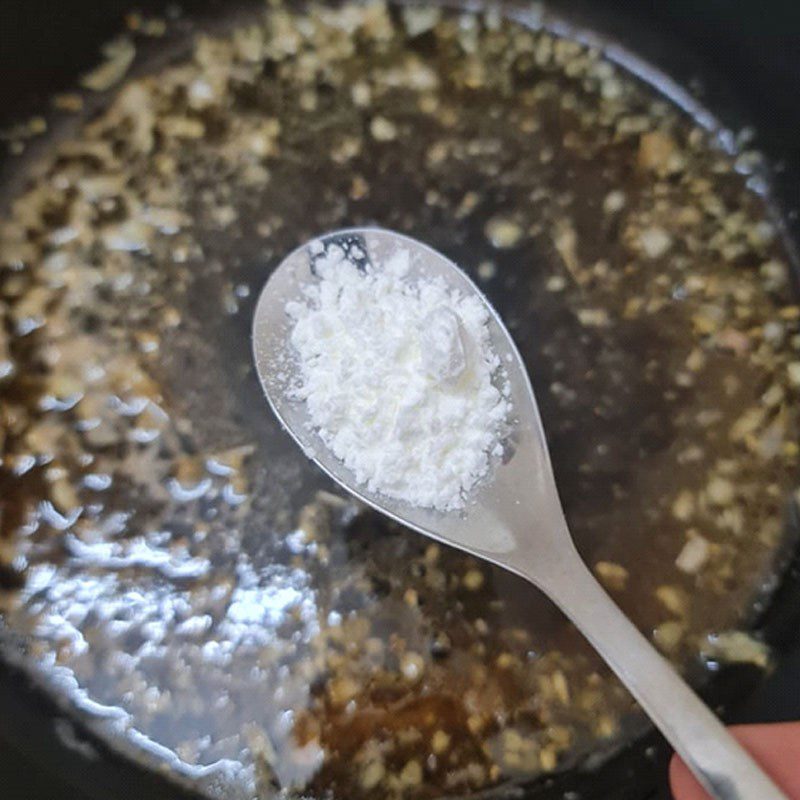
point(399, 378)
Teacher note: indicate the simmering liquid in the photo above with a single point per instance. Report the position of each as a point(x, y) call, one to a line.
point(188, 583)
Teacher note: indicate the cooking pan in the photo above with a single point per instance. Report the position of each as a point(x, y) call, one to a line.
point(741, 62)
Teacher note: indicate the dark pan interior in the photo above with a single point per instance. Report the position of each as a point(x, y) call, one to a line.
point(745, 54)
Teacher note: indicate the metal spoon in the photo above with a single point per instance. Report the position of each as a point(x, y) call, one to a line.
point(514, 519)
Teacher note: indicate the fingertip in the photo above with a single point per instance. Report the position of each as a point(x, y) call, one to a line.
point(682, 782)
point(776, 747)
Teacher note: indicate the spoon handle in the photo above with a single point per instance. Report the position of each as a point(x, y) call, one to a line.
point(717, 760)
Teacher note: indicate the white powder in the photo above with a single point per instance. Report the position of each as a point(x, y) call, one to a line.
point(397, 376)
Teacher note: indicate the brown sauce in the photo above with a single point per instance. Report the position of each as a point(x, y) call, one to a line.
point(166, 549)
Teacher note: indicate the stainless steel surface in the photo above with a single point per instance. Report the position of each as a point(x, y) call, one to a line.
point(514, 520)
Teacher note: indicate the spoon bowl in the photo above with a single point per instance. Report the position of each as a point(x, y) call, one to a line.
point(513, 518)
point(497, 517)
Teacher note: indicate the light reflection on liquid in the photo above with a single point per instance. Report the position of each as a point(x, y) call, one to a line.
point(163, 663)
